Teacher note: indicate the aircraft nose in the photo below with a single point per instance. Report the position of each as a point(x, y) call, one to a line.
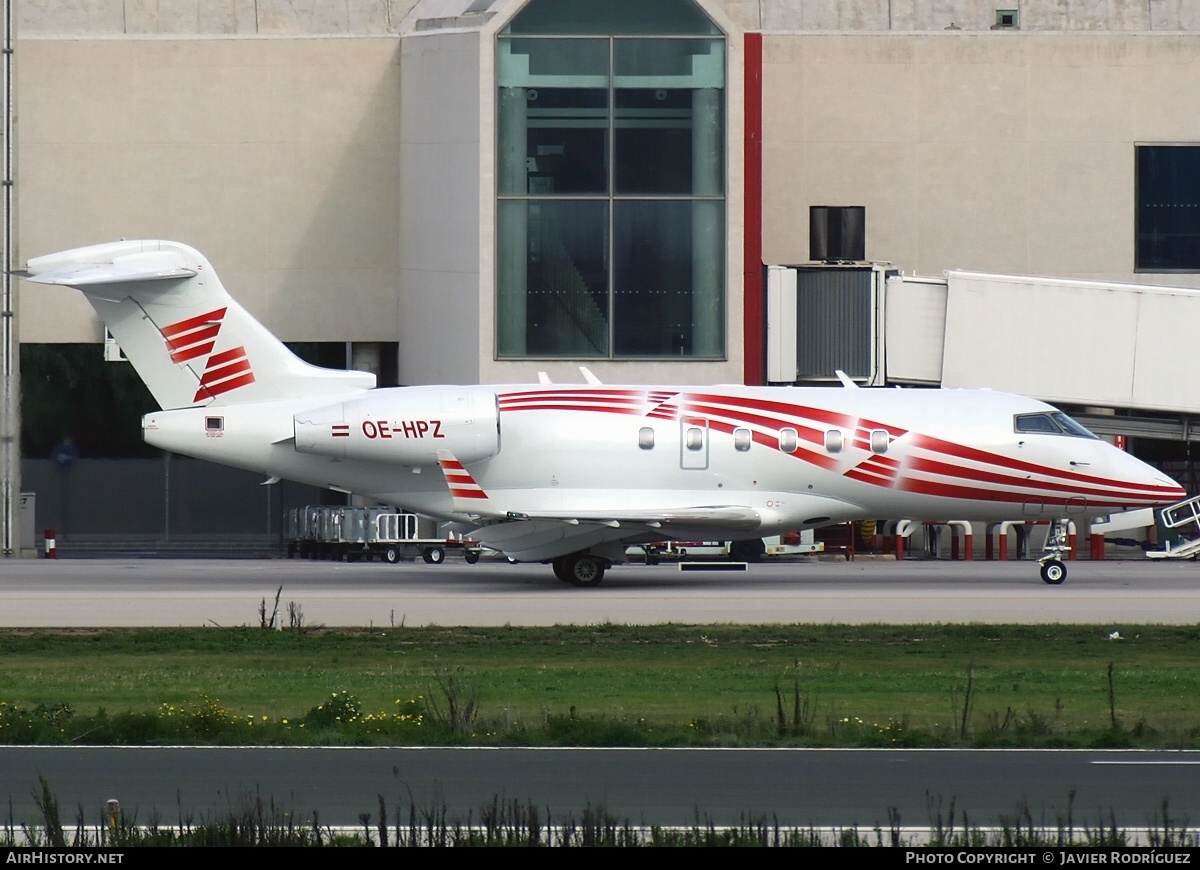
point(1157, 485)
point(1178, 493)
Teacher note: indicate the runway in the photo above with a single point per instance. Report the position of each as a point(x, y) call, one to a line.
point(128, 591)
point(826, 788)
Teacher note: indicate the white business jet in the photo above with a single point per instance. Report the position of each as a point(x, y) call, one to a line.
point(571, 475)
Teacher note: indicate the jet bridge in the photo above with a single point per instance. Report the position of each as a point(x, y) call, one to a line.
point(1112, 349)
point(1083, 343)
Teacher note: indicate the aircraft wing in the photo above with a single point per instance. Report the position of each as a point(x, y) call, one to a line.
point(537, 535)
point(534, 538)
point(521, 525)
point(728, 517)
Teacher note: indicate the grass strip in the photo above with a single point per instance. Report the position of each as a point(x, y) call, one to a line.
point(931, 685)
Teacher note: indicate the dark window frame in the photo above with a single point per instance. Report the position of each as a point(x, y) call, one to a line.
point(665, 280)
point(1167, 207)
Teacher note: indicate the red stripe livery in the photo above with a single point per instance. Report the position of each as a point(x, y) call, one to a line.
point(195, 337)
point(460, 481)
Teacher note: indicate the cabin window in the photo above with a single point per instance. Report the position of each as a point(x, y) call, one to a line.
point(879, 441)
point(742, 439)
point(788, 440)
point(694, 440)
point(646, 438)
point(834, 441)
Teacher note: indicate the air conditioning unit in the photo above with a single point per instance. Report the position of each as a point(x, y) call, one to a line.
point(837, 233)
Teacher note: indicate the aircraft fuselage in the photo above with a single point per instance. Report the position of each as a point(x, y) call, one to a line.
point(795, 457)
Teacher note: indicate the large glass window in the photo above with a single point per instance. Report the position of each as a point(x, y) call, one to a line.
point(553, 278)
point(610, 181)
point(1168, 208)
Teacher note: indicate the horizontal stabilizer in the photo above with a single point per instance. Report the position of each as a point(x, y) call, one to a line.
point(123, 269)
point(187, 338)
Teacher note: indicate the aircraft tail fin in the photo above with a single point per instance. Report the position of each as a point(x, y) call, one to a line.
point(187, 338)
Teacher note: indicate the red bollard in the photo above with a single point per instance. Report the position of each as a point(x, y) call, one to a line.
point(50, 544)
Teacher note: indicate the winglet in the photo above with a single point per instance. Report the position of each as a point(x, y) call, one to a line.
point(469, 497)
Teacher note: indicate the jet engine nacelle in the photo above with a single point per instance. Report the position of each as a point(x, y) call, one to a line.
point(405, 426)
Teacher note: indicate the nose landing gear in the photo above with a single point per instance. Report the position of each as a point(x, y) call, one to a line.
point(1057, 545)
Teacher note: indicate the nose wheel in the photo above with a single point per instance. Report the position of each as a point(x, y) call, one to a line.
point(1053, 572)
point(1057, 545)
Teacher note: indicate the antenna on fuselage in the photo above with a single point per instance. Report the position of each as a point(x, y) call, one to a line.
point(845, 379)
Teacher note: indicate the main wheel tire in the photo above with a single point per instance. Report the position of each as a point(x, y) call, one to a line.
point(434, 555)
point(1054, 572)
point(470, 556)
point(392, 554)
point(583, 569)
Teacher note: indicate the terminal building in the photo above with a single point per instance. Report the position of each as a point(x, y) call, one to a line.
point(475, 191)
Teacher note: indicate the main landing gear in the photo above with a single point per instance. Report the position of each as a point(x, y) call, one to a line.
point(1054, 571)
point(580, 569)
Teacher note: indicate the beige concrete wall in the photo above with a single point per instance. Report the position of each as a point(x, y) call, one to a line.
point(211, 17)
point(441, 210)
point(929, 15)
point(280, 156)
point(378, 17)
point(275, 157)
point(999, 152)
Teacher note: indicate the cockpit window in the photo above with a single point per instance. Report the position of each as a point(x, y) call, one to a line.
point(1036, 423)
point(1050, 423)
point(1071, 427)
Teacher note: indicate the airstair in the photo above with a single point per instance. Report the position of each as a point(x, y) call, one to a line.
point(1178, 516)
